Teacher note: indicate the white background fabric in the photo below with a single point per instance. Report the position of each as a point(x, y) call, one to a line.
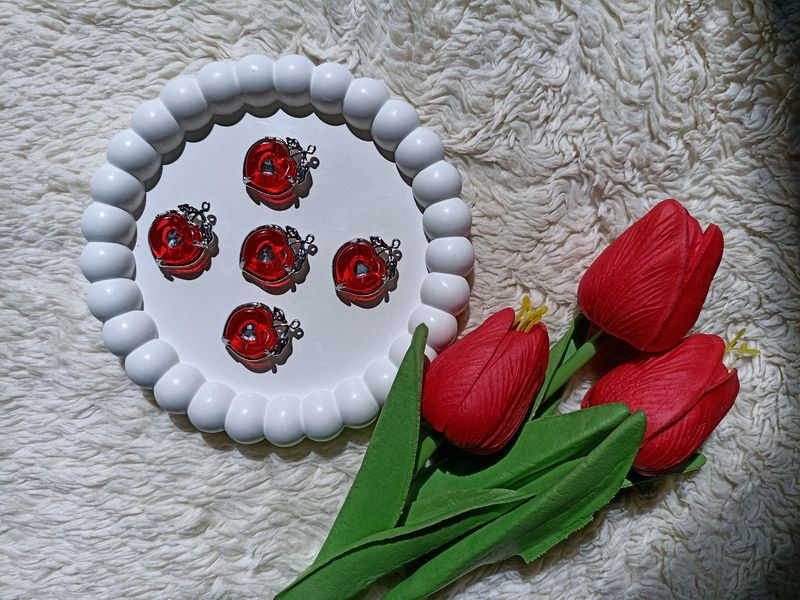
point(568, 121)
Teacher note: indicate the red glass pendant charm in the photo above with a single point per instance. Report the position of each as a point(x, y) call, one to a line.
point(364, 269)
point(275, 170)
point(257, 336)
point(274, 257)
point(180, 240)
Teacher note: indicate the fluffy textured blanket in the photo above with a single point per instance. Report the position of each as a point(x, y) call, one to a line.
point(568, 121)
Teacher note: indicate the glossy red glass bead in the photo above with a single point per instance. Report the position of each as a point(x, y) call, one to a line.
point(359, 272)
point(250, 332)
point(175, 241)
point(179, 245)
point(267, 255)
point(269, 167)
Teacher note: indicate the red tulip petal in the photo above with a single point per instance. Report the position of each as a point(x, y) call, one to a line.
point(705, 256)
point(664, 386)
point(721, 373)
point(497, 404)
point(675, 445)
point(451, 376)
point(514, 418)
point(633, 285)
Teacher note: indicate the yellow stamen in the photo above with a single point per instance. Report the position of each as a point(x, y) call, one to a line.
point(526, 304)
point(730, 345)
point(527, 316)
point(741, 350)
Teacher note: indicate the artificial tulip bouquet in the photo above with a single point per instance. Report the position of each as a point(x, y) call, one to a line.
point(469, 461)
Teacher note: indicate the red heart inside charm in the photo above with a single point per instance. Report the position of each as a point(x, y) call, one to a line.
point(175, 241)
point(269, 166)
point(267, 255)
point(250, 332)
point(358, 270)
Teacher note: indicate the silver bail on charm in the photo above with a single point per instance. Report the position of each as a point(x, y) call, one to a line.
point(201, 218)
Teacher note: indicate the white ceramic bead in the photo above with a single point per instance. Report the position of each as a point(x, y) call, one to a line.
point(175, 390)
point(394, 121)
point(186, 103)
point(448, 218)
point(128, 151)
point(106, 223)
point(363, 100)
point(104, 260)
point(442, 326)
point(245, 419)
point(450, 255)
point(446, 292)
point(329, 84)
point(113, 186)
point(126, 332)
point(208, 408)
point(379, 378)
point(321, 420)
point(439, 181)
point(256, 80)
point(148, 363)
point(355, 403)
point(157, 126)
point(400, 346)
point(217, 81)
point(293, 79)
point(113, 297)
point(283, 425)
point(419, 149)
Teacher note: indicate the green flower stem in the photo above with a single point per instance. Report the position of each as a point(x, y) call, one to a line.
point(572, 365)
point(559, 352)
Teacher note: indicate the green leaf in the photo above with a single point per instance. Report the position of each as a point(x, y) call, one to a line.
point(378, 495)
point(538, 524)
point(439, 520)
point(695, 462)
point(450, 503)
point(557, 355)
point(355, 568)
point(445, 505)
point(541, 444)
point(615, 459)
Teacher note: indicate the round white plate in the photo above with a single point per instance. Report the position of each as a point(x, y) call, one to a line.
point(340, 371)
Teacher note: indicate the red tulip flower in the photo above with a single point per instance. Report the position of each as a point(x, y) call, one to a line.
point(684, 393)
point(649, 285)
point(479, 390)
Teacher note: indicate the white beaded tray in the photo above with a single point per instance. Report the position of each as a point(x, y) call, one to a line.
point(169, 332)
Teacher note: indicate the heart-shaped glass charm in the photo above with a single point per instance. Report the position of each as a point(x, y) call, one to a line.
point(363, 269)
point(274, 169)
point(273, 256)
point(255, 334)
point(179, 241)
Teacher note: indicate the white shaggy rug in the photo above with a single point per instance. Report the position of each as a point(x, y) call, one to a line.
point(568, 120)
